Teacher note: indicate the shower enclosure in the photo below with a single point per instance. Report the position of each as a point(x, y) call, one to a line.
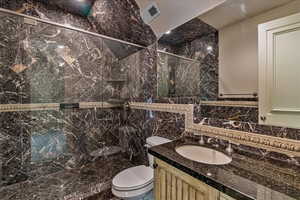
point(58, 85)
point(178, 76)
point(61, 89)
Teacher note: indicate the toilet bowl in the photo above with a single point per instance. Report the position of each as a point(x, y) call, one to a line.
point(136, 183)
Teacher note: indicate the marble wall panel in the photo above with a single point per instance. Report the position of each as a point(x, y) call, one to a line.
point(177, 77)
point(243, 114)
point(198, 49)
point(47, 12)
point(132, 78)
point(10, 63)
point(251, 127)
point(11, 152)
point(50, 64)
point(147, 74)
point(48, 150)
point(205, 50)
point(38, 143)
point(44, 146)
point(186, 33)
point(69, 184)
point(149, 123)
point(124, 19)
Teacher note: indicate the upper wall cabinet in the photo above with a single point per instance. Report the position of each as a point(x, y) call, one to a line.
point(279, 72)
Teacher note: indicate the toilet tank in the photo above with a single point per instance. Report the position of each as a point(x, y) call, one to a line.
point(154, 141)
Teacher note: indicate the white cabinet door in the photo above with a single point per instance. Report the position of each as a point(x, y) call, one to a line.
point(279, 72)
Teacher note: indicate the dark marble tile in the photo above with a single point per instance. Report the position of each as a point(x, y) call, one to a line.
point(105, 195)
point(44, 144)
point(50, 64)
point(69, 184)
point(251, 127)
point(46, 11)
point(11, 152)
point(147, 73)
point(149, 123)
point(55, 154)
point(243, 114)
point(205, 77)
point(141, 75)
point(187, 32)
point(11, 83)
point(39, 143)
point(132, 78)
point(177, 77)
point(125, 21)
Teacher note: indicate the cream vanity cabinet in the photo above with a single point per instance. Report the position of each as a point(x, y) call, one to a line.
point(279, 72)
point(173, 184)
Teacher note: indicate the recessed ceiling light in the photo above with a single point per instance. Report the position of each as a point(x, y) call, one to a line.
point(209, 48)
point(168, 32)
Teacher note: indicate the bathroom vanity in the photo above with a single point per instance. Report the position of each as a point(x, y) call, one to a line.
point(172, 183)
point(246, 177)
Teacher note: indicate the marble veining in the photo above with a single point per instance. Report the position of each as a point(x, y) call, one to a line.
point(46, 64)
point(125, 21)
point(198, 41)
point(69, 184)
point(41, 148)
point(242, 114)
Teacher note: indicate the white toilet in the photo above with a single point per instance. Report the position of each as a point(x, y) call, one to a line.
point(136, 183)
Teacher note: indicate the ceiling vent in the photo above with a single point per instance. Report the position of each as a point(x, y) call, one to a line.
point(150, 12)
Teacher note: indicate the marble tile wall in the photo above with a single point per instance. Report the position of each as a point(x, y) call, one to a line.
point(123, 15)
point(240, 118)
point(197, 49)
point(125, 20)
point(47, 64)
point(192, 40)
point(147, 124)
point(242, 114)
point(177, 77)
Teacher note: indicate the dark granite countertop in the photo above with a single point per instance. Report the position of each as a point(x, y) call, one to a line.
point(248, 176)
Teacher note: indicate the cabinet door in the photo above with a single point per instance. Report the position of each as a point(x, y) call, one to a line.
point(225, 197)
point(173, 184)
point(279, 72)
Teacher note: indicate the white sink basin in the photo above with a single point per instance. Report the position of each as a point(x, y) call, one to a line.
point(203, 155)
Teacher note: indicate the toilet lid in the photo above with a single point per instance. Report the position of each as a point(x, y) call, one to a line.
point(133, 178)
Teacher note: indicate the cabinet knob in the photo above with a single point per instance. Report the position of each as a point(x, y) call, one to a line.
point(155, 165)
point(263, 118)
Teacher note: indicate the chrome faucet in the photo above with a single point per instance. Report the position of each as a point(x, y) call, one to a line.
point(229, 149)
point(201, 141)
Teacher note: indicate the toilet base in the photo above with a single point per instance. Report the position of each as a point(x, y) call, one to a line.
point(148, 196)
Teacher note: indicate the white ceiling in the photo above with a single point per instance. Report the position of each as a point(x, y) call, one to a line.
point(176, 12)
point(233, 11)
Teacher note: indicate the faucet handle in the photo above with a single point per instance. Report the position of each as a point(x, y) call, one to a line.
point(229, 149)
point(201, 141)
